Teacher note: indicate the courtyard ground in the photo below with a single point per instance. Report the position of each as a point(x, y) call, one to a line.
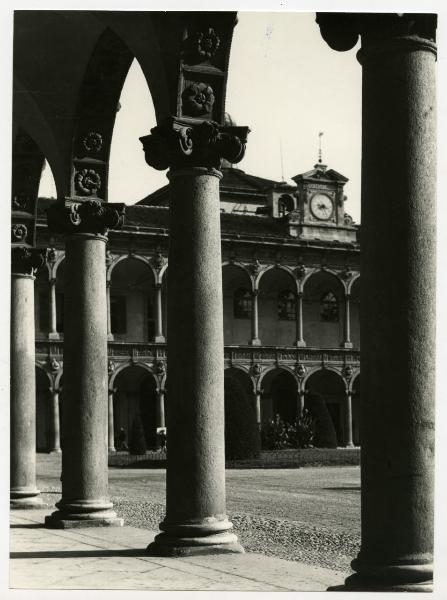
point(311, 514)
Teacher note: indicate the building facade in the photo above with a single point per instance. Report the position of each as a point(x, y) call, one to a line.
point(290, 279)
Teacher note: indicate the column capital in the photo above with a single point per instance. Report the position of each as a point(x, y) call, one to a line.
point(179, 143)
point(380, 32)
point(27, 261)
point(89, 216)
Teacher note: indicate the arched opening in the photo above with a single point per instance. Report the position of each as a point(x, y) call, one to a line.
point(323, 310)
point(277, 308)
point(130, 179)
point(132, 301)
point(47, 185)
point(356, 411)
point(285, 204)
point(355, 313)
point(241, 429)
point(43, 415)
point(134, 408)
point(236, 287)
point(42, 304)
point(279, 396)
point(325, 394)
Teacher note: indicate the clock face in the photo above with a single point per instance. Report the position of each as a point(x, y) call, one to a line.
point(321, 207)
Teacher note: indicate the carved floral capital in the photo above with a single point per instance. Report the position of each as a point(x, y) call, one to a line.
point(91, 216)
point(177, 144)
point(27, 261)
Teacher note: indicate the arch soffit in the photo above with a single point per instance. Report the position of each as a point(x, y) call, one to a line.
point(352, 282)
point(59, 261)
point(129, 364)
point(322, 369)
point(39, 365)
point(239, 265)
point(331, 272)
point(354, 379)
point(57, 379)
point(246, 372)
point(124, 257)
point(287, 270)
point(278, 368)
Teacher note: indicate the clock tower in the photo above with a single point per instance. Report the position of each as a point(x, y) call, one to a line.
point(320, 212)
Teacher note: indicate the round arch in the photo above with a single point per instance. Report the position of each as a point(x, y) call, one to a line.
point(277, 305)
point(279, 388)
point(124, 257)
point(354, 313)
point(237, 286)
point(325, 395)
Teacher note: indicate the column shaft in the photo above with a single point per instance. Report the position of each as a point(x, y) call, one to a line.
point(348, 420)
point(55, 423)
point(109, 312)
point(111, 427)
point(24, 493)
point(53, 333)
point(258, 407)
point(255, 341)
point(299, 321)
point(195, 419)
point(85, 498)
point(347, 323)
point(159, 337)
point(161, 408)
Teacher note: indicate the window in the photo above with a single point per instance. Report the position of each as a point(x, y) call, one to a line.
point(329, 308)
point(118, 317)
point(285, 205)
point(286, 306)
point(59, 312)
point(242, 304)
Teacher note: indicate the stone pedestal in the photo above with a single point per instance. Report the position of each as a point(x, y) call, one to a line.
point(397, 297)
point(85, 500)
point(24, 493)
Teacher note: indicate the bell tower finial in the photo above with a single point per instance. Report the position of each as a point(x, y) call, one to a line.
point(320, 153)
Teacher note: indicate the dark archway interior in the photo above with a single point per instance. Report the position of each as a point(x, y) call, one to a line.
point(325, 394)
point(42, 411)
point(241, 431)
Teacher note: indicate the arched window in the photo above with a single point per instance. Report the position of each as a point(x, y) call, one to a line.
point(242, 304)
point(286, 306)
point(329, 307)
point(285, 204)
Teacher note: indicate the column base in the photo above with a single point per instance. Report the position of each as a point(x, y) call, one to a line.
point(159, 339)
point(347, 345)
point(255, 342)
point(111, 450)
point(83, 514)
point(388, 578)
point(300, 344)
point(55, 451)
point(25, 500)
point(110, 337)
point(54, 335)
point(212, 536)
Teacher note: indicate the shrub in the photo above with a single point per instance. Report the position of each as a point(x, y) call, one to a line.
point(301, 433)
point(325, 435)
point(274, 434)
point(242, 438)
point(137, 440)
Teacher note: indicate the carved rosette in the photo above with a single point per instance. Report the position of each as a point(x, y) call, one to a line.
point(205, 43)
point(27, 261)
point(19, 232)
point(198, 100)
point(92, 142)
point(91, 216)
point(87, 182)
point(176, 144)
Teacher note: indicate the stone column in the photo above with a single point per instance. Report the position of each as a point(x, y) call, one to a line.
point(111, 428)
point(85, 500)
point(255, 341)
point(53, 334)
point(161, 408)
point(109, 312)
point(24, 493)
point(300, 407)
point(299, 321)
point(159, 337)
point(347, 323)
point(258, 407)
point(398, 57)
point(55, 422)
point(196, 520)
point(348, 443)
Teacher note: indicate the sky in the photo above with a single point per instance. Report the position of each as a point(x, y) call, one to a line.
point(285, 83)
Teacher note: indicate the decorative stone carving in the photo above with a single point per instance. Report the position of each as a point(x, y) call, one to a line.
point(176, 144)
point(87, 182)
point(347, 274)
point(92, 142)
point(109, 258)
point(160, 367)
point(347, 372)
point(301, 271)
point(255, 267)
point(300, 370)
point(158, 261)
point(27, 261)
point(54, 365)
point(347, 219)
point(19, 232)
point(91, 216)
point(198, 99)
point(256, 369)
point(110, 367)
point(51, 255)
point(20, 202)
point(206, 43)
